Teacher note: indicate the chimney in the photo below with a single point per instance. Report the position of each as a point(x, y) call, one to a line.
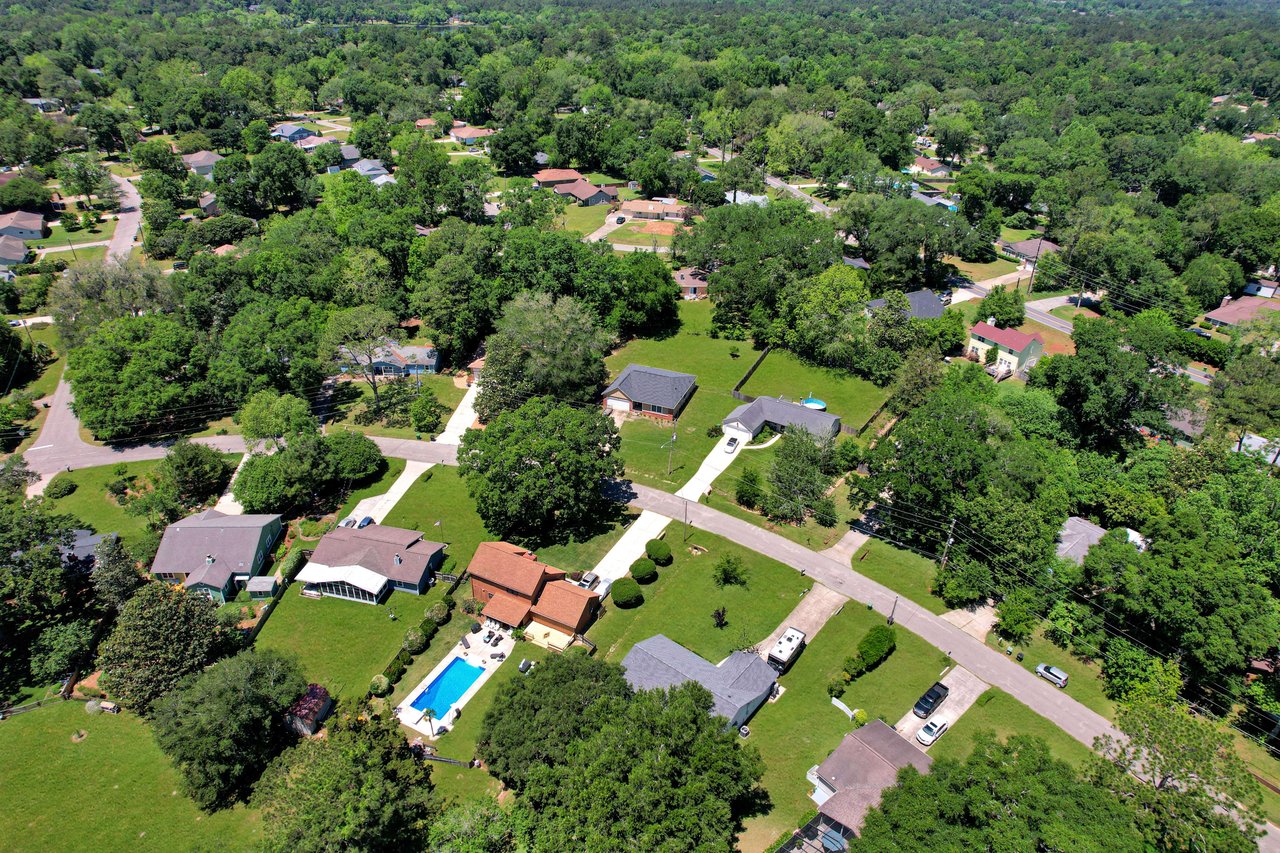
point(208, 559)
point(398, 561)
point(1225, 300)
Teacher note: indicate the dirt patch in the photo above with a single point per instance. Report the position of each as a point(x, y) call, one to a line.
point(658, 227)
point(79, 736)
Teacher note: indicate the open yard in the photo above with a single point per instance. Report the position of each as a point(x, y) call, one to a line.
point(679, 603)
point(1055, 342)
point(782, 374)
point(40, 386)
point(584, 220)
point(59, 236)
point(114, 790)
point(395, 467)
point(1085, 678)
point(980, 272)
point(645, 442)
point(88, 256)
point(1006, 716)
point(441, 495)
point(905, 572)
point(639, 232)
point(352, 397)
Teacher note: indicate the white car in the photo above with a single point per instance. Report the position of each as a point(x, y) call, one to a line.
point(931, 731)
point(1052, 674)
point(731, 445)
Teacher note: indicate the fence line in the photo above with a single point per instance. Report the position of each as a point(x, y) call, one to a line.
point(737, 389)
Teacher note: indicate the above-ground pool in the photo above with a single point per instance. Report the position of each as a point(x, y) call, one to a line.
point(447, 688)
point(814, 403)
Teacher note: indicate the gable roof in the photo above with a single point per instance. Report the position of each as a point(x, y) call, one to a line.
point(865, 763)
point(209, 547)
point(736, 682)
point(690, 277)
point(770, 410)
point(370, 167)
point(565, 603)
point(643, 206)
point(472, 132)
point(544, 175)
point(929, 164)
point(200, 158)
point(653, 385)
point(581, 190)
point(407, 354)
point(12, 247)
point(1032, 248)
point(288, 129)
point(311, 704)
point(1076, 537)
point(922, 304)
point(511, 566)
point(391, 552)
point(22, 219)
point(349, 152)
point(506, 609)
point(1241, 310)
point(1011, 338)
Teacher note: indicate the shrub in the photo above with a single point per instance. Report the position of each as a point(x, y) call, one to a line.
point(449, 602)
point(644, 571)
point(471, 606)
point(380, 685)
point(394, 671)
point(292, 563)
point(749, 493)
point(626, 593)
point(714, 431)
point(859, 718)
point(854, 666)
point(91, 692)
point(438, 613)
point(429, 630)
point(876, 645)
point(658, 551)
point(836, 686)
point(118, 488)
point(730, 571)
point(414, 641)
point(60, 488)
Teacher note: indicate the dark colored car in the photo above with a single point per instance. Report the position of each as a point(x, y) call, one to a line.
point(620, 220)
point(932, 698)
point(365, 522)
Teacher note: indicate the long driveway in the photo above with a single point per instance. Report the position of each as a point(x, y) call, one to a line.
point(129, 220)
point(818, 207)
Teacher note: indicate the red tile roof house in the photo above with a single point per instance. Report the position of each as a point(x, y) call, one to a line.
point(653, 210)
point(21, 224)
point(469, 135)
point(692, 283)
point(306, 715)
point(587, 195)
point(1233, 312)
point(1015, 351)
point(517, 591)
point(930, 166)
point(548, 178)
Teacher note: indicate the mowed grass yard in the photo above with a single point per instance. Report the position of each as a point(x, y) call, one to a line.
point(356, 395)
point(395, 467)
point(584, 220)
point(59, 236)
point(115, 790)
point(1085, 682)
point(642, 232)
point(1006, 716)
point(680, 602)
point(905, 572)
point(690, 350)
point(782, 374)
point(980, 272)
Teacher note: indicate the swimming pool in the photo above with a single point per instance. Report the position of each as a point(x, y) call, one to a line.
point(447, 688)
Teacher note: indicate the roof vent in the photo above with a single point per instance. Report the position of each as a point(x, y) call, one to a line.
point(991, 321)
point(398, 561)
point(208, 559)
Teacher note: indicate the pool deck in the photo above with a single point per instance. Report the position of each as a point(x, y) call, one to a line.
point(477, 655)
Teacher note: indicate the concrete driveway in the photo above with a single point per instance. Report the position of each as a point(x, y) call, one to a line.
point(965, 690)
point(713, 465)
point(818, 605)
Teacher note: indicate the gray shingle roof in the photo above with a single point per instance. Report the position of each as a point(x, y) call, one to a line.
point(865, 763)
point(662, 663)
point(652, 385)
point(1076, 537)
point(767, 410)
point(231, 540)
point(925, 304)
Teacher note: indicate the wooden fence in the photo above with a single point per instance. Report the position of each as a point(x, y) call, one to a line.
point(746, 377)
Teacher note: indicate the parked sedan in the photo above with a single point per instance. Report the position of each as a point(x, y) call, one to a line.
point(731, 445)
point(1052, 674)
point(365, 522)
point(931, 731)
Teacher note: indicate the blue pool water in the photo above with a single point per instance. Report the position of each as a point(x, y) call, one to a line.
point(447, 687)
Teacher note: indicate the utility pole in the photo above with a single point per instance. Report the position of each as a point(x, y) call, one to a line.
point(946, 549)
point(671, 449)
point(686, 520)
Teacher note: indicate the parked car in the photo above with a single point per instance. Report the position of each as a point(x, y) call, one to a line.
point(14, 324)
point(932, 698)
point(931, 731)
point(1052, 674)
point(732, 445)
point(348, 522)
point(365, 522)
point(621, 220)
point(589, 581)
point(179, 265)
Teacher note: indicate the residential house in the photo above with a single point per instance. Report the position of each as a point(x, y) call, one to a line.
point(476, 367)
point(780, 415)
point(936, 200)
point(929, 166)
point(738, 685)
point(655, 210)
point(922, 304)
point(551, 178)
point(350, 156)
point(1254, 138)
point(424, 123)
point(225, 249)
point(1256, 445)
point(692, 283)
point(262, 586)
point(44, 105)
point(306, 715)
point(854, 777)
point(1015, 351)
point(308, 144)
point(201, 163)
point(587, 195)
point(859, 263)
point(1030, 250)
point(367, 563)
point(651, 391)
point(288, 132)
point(741, 197)
point(395, 359)
point(22, 224)
point(12, 251)
point(382, 180)
point(370, 168)
point(214, 553)
point(82, 554)
point(1262, 287)
point(209, 204)
point(469, 136)
point(1236, 312)
point(1076, 537)
point(517, 591)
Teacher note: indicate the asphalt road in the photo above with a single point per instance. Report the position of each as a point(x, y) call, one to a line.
point(129, 220)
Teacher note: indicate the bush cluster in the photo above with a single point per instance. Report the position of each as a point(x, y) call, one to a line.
point(416, 641)
point(644, 571)
point(60, 488)
point(876, 645)
point(658, 551)
point(626, 593)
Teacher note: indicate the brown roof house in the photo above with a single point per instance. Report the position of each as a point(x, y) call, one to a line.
point(853, 778)
point(367, 563)
point(1015, 351)
point(517, 591)
point(22, 224)
point(692, 283)
point(215, 553)
point(306, 715)
point(469, 135)
point(585, 194)
point(641, 209)
point(201, 162)
point(12, 251)
point(1234, 312)
point(929, 166)
point(548, 178)
point(1030, 250)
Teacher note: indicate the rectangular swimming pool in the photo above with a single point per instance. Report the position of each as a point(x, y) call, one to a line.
point(447, 688)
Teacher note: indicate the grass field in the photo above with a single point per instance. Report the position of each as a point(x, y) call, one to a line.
point(341, 644)
point(981, 272)
point(584, 220)
point(361, 395)
point(114, 790)
point(906, 573)
point(679, 603)
point(801, 728)
point(442, 497)
point(90, 256)
point(59, 236)
point(782, 374)
point(1015, 235)
point(634, 233)
point(1006, 716)
point(1085, 682)
point(690, 350)
point(1071, 312)
point(1055, 342)
point(395, 467)
point(41, 386)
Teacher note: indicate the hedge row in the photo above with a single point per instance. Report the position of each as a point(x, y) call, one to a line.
point(416, 641)
point(876, 645)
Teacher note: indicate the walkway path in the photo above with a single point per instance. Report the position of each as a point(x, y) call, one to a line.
point(610, 225)
point(227, 502)
point(843, 551)
point(813, 611)
point(462, 419)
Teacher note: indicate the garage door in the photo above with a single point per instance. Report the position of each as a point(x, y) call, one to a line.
point(618, 405)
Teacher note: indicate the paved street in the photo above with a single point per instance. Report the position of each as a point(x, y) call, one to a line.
point(128, 222)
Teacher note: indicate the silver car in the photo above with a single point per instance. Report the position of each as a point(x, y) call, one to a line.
point(1052, 674)
point(931, 731)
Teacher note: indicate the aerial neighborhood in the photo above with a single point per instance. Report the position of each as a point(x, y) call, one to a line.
point(640, 427)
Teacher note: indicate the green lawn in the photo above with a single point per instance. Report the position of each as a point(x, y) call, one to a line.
point(1015, 235)
point(93, 505)
point(341, 644)
point(680, 602)
point(599, 178)
point(782, 374)
point(981, 272)
point(361, 395)
point(114, 790)
point(1085, 683)
point(583, 556)
point(445, 639)
point(59, 236)
point(90, 256)
point(442, 497)
point(634, 234)
point(802, 727)
point(690, 350)
point(395, 467)
point(1006, 716)
point(42, 385)
point(905, 572)
point(584, 220)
